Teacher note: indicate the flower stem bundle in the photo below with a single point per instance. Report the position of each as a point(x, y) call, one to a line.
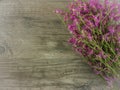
point(95, 33)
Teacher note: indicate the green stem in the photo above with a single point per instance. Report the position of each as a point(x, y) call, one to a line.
point(61, 20)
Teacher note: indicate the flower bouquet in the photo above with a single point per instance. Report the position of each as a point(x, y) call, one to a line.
point(95, 33)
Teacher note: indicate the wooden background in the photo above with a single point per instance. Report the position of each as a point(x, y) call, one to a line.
point(34, 53)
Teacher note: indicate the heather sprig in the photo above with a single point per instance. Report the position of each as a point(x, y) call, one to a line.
point(95, 29)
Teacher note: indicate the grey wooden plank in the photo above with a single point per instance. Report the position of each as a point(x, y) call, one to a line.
point(34, 53)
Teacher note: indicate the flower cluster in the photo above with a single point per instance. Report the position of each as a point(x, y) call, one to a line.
point(95, 30)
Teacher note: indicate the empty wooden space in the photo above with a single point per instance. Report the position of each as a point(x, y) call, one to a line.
point(34, 53)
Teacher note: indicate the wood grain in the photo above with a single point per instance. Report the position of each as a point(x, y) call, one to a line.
point(34, 53)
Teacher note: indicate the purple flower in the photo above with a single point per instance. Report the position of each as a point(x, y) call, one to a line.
point(90, 52)
point(111, 29)
point(72, 40)
point(95, 29)
point(109, 80)
point(101, 55)
point(96, 20)
point(118, 39)
point(76, 21)
point(117, 18)
point(96, 71)
point(118, 28)
point(89, 37)
point(89, 23)
point(106, 36)
point(79, 51)
point(72, 28)
point(72, 17)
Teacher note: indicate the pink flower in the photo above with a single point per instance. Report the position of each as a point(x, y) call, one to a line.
point(66, 17)
point(58, 11)
point(76, 21)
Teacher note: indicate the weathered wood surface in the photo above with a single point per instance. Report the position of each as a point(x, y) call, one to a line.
point(34, 53)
